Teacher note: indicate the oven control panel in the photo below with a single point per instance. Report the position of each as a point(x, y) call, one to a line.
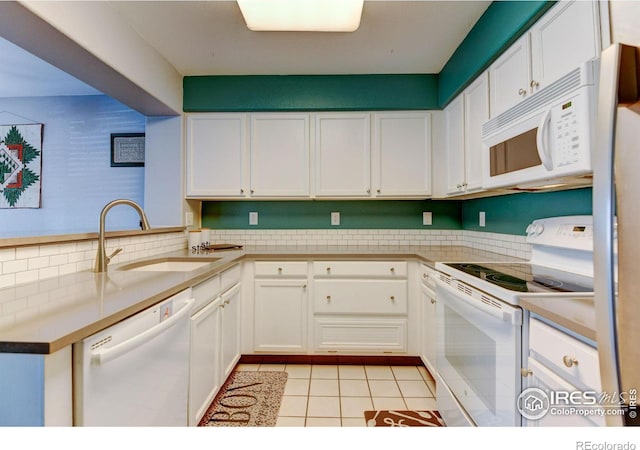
point(571, 232)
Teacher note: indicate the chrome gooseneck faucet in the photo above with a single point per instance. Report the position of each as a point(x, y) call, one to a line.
point(102, 260)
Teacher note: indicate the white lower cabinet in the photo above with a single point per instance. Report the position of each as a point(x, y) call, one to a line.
point(360, 306)
point(230, 317)
point(428, 326)
point(205, 377)
point(215, 339)
point(562, 364)
point(280, 315)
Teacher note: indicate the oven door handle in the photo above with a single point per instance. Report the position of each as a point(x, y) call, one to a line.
point(504, 313)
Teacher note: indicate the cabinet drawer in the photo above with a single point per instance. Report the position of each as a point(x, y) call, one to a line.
point(230, 277)
point(360, 296)
point(205, 292)
point(428, 276)
point(567, 356)
point(361, 334)
point(281, 269)
point(394, 269)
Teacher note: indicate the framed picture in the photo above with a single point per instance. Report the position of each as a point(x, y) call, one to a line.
point(127, 149)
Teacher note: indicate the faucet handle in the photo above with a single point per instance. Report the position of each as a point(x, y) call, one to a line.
point(118, 250)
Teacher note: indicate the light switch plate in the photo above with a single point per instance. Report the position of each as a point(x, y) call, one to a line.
point(253, 218)
point(481, 219)
point(427, 218)
point(335, 218)
point(188, 219)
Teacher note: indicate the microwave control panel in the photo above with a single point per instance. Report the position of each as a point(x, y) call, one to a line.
point(567, 138)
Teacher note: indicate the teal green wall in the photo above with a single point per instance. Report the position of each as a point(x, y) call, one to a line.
point(310, 92)
point(316, 214)
point(510, 214)
point(500, 26)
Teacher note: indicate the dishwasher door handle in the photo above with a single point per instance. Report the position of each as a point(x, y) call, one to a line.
point(105, 355)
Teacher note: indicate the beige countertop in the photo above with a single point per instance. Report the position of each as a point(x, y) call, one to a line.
point(576, 313)
point(45, 316)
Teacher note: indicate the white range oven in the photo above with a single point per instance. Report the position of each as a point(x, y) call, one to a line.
point(480, 345)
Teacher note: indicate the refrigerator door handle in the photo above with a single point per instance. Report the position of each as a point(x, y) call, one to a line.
point(105, 355)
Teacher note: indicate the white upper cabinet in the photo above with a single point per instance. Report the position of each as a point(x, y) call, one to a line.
point(464, 117)
point(401, 154)
point(510, 76)
point(343, 149)
point(476, 113)
point(279, 154)
point(454, 142)
point(216, 149)
point(565, 37)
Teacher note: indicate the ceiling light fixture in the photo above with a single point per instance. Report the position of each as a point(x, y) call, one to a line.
point(302, 15)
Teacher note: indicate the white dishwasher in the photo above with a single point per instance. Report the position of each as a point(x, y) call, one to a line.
point(136, 372)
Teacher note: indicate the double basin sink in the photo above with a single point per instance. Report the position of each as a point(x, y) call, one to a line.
point(171, 264)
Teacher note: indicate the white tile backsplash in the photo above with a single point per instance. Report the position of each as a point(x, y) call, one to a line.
point(32, 263)
point(38, 262)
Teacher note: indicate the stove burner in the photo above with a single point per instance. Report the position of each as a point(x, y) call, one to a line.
point(493, 276)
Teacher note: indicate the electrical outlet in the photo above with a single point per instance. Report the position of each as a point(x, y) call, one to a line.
point(253, 218)
point(335, 218)
point(427, 218)
point(481, 219)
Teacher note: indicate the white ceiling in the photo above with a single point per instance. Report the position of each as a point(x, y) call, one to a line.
point(210, 38)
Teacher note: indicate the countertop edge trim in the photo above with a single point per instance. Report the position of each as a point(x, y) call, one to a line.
point(65, 238)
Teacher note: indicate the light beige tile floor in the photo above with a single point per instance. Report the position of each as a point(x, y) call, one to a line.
point(334, 396)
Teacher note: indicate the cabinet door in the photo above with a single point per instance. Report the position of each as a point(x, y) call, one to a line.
point(402, 154)
point(343, 166)
point(565, 37)
point(510, 75)
point(205, 364)
point(215, 155)
point(280, 315)
point(230, 329)
point(429, 334)
point(542, 378)
point(279, 152)
point(476, 113)
point(454, 128)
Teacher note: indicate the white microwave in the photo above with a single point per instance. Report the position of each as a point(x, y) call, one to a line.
point(546, 141)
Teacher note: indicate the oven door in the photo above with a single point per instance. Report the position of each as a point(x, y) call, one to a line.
point(478, 355)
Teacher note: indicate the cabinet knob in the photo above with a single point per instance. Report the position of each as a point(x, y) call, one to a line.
point(569, 361)
point(534, 85)
point(252, 191)
point(226, 302)
point(304, 286)
point(393, 270)
point(368, 191)
point(242, 191)
point(378, 191)
point(328, 269)
point(392, 298)
point(328, 298)
point(526, 372)
point(433, 301)
point(279, 269)
point(522, 92)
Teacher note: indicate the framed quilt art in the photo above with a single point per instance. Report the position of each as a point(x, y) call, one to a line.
point(20, 165)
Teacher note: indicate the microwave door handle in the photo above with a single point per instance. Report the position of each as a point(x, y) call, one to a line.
point(542, 141)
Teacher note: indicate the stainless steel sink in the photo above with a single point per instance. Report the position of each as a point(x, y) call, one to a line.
point(168, 264)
